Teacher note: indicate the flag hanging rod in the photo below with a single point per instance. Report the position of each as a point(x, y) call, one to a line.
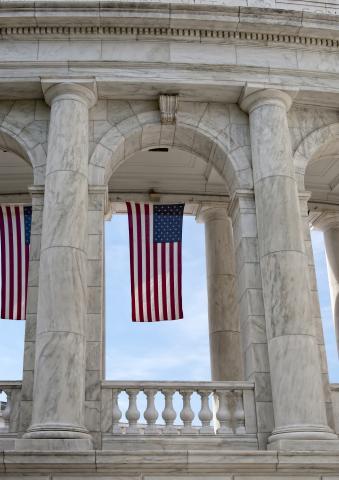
point(163, 197)
point(16, 199)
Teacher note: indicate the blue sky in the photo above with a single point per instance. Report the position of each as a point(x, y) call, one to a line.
point(175, 350)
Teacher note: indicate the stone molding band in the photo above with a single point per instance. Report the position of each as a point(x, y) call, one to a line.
point(194, 34)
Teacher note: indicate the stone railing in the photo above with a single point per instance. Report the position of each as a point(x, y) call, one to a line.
point(178, 408)
point(335, 404)
point(10, 407)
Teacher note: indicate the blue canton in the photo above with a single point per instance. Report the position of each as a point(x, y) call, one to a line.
point(28, 223)
point(167, 223)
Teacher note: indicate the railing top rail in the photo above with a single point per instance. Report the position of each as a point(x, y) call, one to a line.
point(140, 384)
point(10, 383)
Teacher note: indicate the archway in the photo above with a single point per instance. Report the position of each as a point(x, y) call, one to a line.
point(317, 163)
point(220, 150)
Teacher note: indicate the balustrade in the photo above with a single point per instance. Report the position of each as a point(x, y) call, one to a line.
point(152, 408)
point(9, 408)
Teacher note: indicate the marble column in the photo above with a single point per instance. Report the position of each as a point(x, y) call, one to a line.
point(328, 222)
point(59, 383)
point(298, 401)
point(223, 318)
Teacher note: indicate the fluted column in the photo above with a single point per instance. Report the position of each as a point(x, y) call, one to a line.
point(59, 384)
point(298, 402)
point(223, 318)
point(328, 222)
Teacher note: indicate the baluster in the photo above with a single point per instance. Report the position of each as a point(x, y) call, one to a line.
point(6, 414)
point(132, 413)
point(169, 414)
point(187, 414)
point(117, 414)
point(223, 413)
point(205, 413)
point(151, 413)
point(239, 413)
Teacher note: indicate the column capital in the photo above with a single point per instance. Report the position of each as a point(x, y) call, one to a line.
point(241, 199)
point(36, 190)
point(325, 220)
point(207, 213)
point(84, 90)
point(252, 98)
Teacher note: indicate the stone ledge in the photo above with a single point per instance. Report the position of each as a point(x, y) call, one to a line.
point(182, 462)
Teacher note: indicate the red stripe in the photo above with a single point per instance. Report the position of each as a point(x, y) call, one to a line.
point(3, 264)
point(131, 257)
point(181, 314)
point(19, 262)
point(148, 265)
point(171, 272)
point(139, 246)
point(26, 274)
point(163, 278)
point(156, 295)
point(11, 262)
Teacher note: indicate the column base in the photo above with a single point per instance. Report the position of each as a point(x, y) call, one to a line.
point(53, 444)
point(55, 437)
point(304, 437)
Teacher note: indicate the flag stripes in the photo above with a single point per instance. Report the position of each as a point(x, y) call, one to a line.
point(15, 222)
point(155, 269)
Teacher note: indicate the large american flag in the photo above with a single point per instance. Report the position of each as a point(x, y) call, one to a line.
point(155, 233)
point(15, 231)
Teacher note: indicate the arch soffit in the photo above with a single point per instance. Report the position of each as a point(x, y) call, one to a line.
point(24, 130)
point(231, 160)
point(313, 144)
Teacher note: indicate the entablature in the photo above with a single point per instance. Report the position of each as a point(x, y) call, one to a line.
point(201, 51)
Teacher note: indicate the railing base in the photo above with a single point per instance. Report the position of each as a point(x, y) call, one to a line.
point(132, 443)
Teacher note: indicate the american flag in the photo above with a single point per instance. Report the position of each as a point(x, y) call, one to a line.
point(15, 231)
point(155, 233)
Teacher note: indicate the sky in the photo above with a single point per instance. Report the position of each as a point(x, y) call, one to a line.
point(176, 350)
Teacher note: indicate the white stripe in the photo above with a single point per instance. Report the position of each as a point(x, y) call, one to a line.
point(143, 260)
point(15, 265)
point(176, 286)
point(23, 256)
point(161, 312)
point(135, 261)
point(7, 262)
point(168, 283)
point(151, 261)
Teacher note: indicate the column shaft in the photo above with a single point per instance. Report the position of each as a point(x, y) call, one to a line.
point(298, 401)
point(224, 330)
point(59, 385)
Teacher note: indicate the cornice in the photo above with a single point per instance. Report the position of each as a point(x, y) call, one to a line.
point(189, 20)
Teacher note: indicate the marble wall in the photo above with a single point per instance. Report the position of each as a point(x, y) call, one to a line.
point(251, 309)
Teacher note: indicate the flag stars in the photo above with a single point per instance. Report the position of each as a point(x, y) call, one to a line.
point(168, 223)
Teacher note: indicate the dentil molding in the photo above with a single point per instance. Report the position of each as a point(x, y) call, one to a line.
point(157, 33)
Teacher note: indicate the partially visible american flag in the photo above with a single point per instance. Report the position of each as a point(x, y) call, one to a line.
point(15, 231)
point(155, 233)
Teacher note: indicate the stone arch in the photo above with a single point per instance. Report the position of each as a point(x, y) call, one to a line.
point(24, 130)
point(140, 132)
point(312, 145)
